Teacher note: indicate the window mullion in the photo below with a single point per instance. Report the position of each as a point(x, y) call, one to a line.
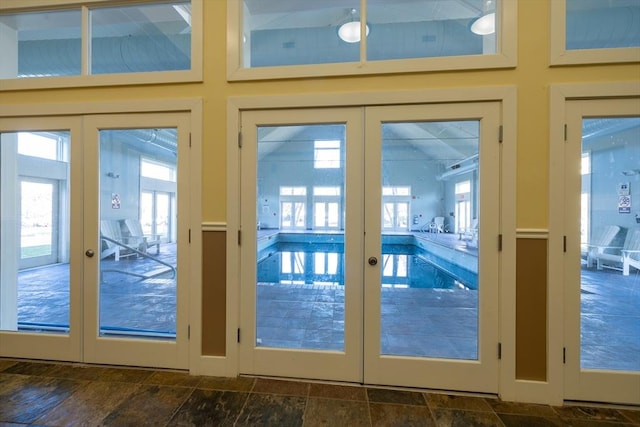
point(363, 31)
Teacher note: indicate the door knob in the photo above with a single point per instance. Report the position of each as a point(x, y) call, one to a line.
point(373, 260)
point(89, 253)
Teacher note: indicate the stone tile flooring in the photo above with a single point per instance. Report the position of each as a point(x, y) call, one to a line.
point(60, 394)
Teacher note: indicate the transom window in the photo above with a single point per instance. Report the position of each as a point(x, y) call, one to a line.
point(283, 39)
point(93, 39)
point(326, 154)
point(594, 31)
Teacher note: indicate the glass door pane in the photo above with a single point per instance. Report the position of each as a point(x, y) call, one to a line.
point(602, 267)
point(300, 276)
point(35, 235)
point(610, 274)
point(137, 290)
point(429, 304)
point(301, 309)
point(431, 289)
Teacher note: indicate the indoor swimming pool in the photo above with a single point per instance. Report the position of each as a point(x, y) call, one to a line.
point(402, 266)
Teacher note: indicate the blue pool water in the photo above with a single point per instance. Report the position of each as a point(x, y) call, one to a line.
point(402, 266)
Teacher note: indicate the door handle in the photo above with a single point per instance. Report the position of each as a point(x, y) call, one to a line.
point(89, 253)
point(373, 260)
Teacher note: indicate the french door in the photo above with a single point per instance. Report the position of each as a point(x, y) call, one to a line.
point(109, 291)
point(364, 302)
point(602, 266)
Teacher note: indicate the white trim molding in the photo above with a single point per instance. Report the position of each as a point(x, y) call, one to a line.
point(559, 95)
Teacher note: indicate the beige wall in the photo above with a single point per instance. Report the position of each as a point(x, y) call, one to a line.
point(532, 77)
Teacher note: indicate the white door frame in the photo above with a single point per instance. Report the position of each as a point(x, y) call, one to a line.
point(509, 387)
point(479, 375)
point(563, 279)
point(39, 116)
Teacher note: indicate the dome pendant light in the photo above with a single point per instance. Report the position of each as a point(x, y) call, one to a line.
point(349, 32)
point(486, 24)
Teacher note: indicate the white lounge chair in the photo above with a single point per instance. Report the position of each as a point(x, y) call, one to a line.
point(470, 233)
point(600, 243)
point(114, 243)
point(627, 256)
point(135, 231)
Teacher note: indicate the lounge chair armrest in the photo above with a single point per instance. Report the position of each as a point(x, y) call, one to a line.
point(630, 251)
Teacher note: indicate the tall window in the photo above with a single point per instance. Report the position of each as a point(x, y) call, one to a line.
point(395, 215)
point(463, 205)
point(585, 205)
point(326, 154)
point(157, 198)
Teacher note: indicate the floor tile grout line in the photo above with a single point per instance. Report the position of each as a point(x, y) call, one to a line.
point(177, 410)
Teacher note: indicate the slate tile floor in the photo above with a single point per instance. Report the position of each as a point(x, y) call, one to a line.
point(59, 394)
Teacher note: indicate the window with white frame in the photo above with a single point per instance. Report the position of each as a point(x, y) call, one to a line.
point(157, 198)
point(124, 39)
point(326, 207)
point(271, 39)
point(293, 205)
point(395, 207)
point(463, 205)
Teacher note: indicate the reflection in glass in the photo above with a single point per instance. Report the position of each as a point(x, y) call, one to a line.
point(274, 33)
point(34, 233)
point(138, 38)
point(428, 29)
point(138, 254)
point(610, 230)
point(429, 270)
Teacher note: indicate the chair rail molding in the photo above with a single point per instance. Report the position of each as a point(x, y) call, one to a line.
point(214, 226)
point(532, 233)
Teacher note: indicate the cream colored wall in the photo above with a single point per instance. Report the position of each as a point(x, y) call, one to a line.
point(532, 77)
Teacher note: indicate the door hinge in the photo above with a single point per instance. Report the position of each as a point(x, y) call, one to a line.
point(239, 139)
point(564, 355)
point(564, 243)
point(189, 235)
point(500, 132)
point(189, 139)
point(499, 350)
point(238, 334)
point(565, 133)
point(239, 237)
point(189, 332)
point(499, 242)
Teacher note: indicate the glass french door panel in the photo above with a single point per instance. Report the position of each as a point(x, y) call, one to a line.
point(610, 218)
point(138, 286)
point(429, 289)
point(34, 233)
point(300, 275)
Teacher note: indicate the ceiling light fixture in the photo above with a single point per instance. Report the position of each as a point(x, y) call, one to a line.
point(349, 32)
point(485, 24)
